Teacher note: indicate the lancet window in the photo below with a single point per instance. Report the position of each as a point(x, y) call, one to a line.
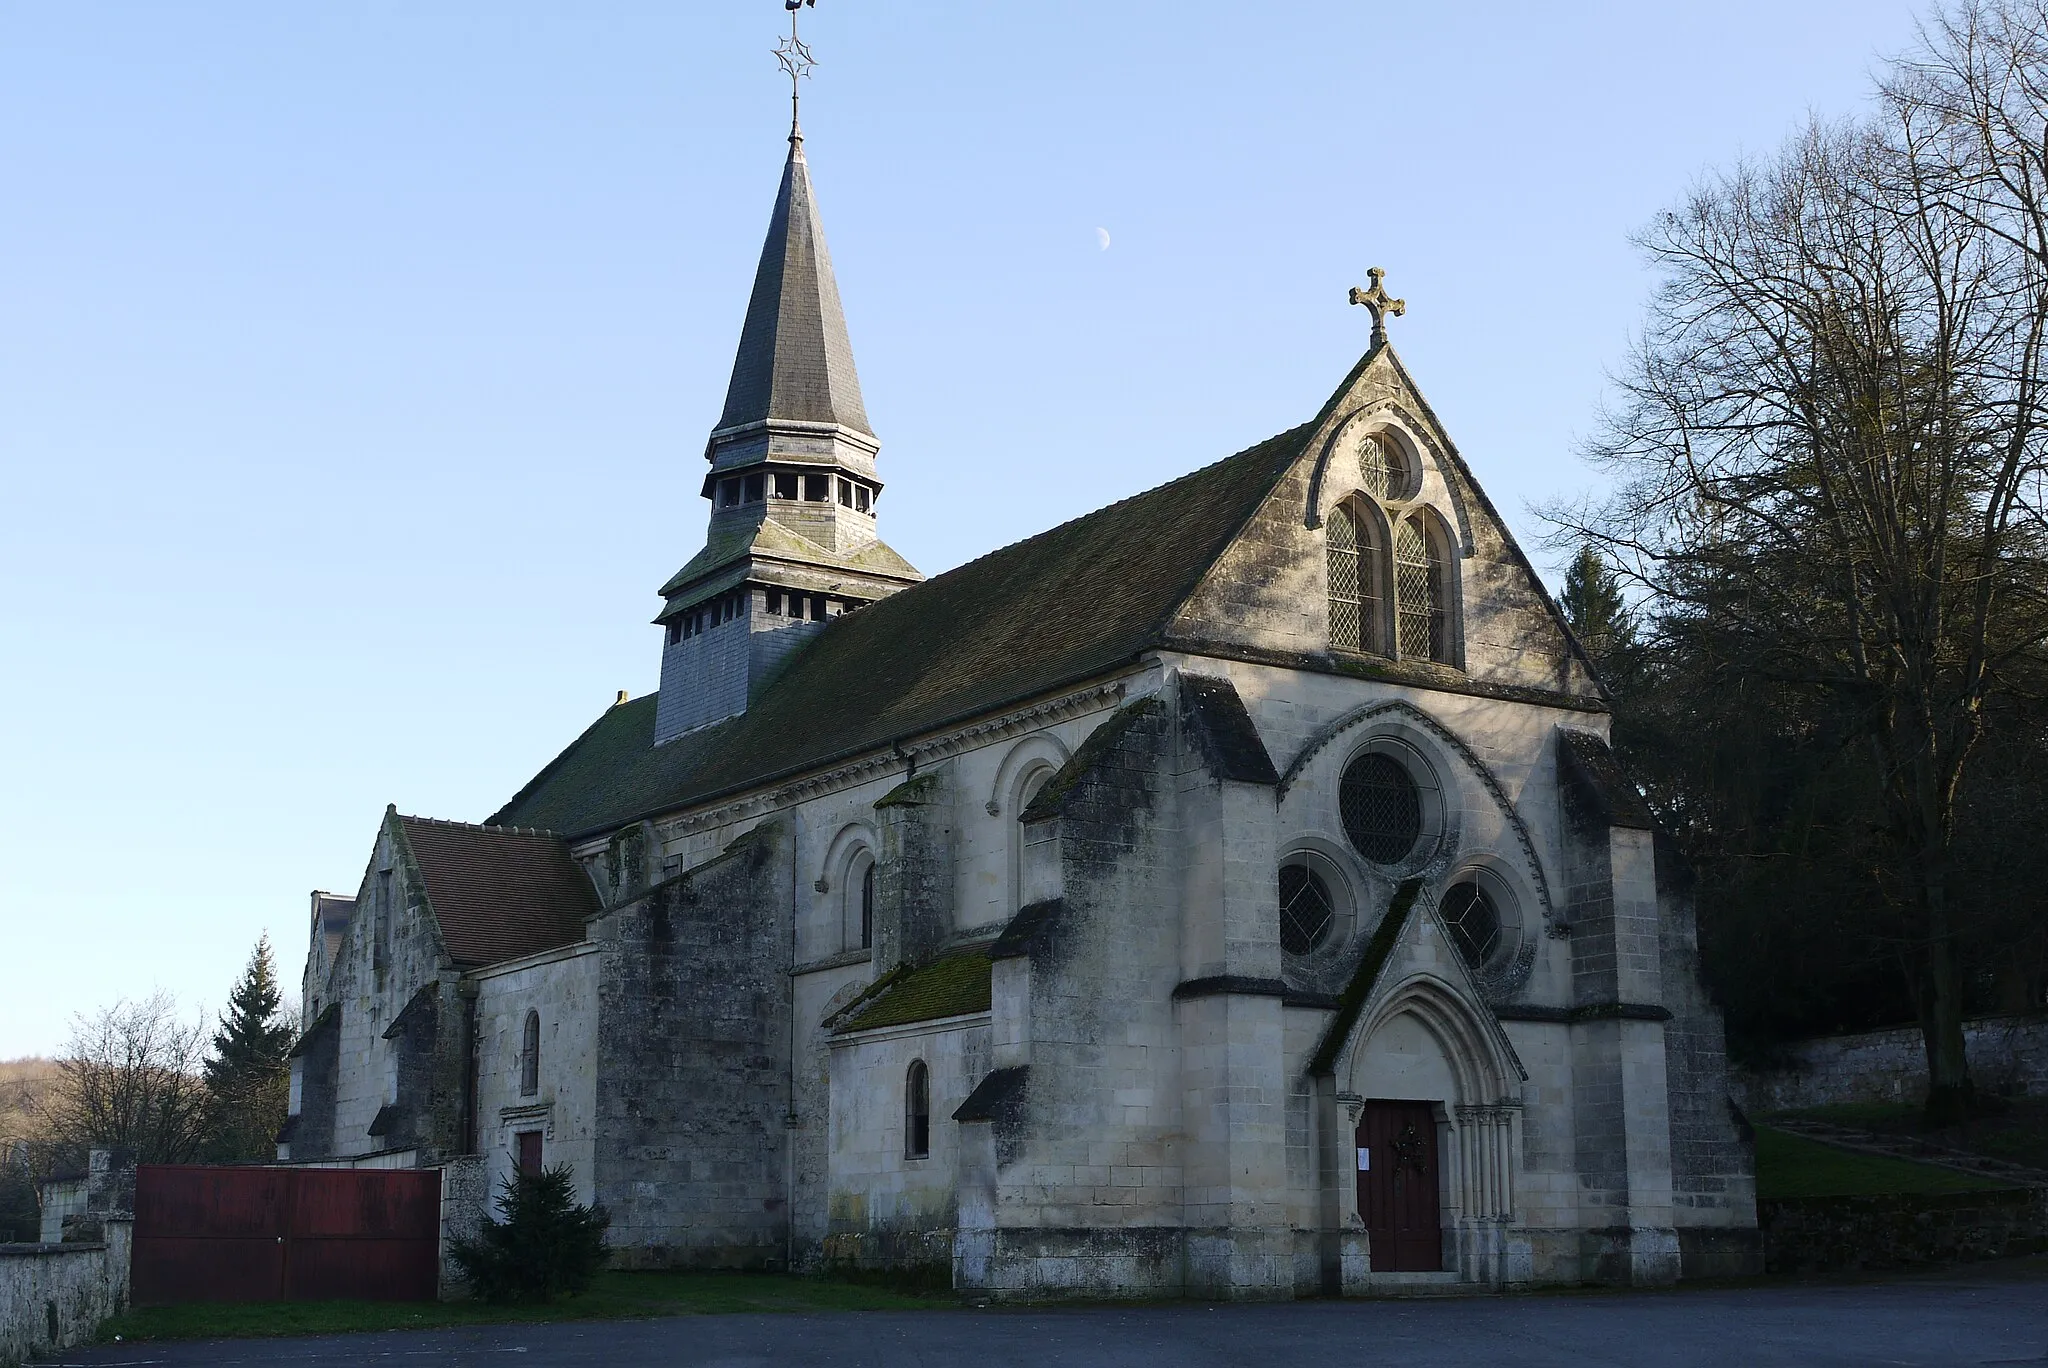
point(1421, 588)
point(1390, 580)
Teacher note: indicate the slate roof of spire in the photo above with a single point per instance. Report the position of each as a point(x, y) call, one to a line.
point(1066, 605)
point(795, 361)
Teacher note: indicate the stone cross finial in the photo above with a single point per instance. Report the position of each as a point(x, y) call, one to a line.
point(1380, 302)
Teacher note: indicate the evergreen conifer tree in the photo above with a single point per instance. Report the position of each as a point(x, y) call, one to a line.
point(542, 1244)
point(248, 1075)
point(1600, 617)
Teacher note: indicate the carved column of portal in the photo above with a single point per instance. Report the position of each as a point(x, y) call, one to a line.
point(1346, 1266)
point(1485, 1147)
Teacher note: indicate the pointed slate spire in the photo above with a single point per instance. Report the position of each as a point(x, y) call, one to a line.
point(795, 362)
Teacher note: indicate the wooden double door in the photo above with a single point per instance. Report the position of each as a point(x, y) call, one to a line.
point(1397, 1186)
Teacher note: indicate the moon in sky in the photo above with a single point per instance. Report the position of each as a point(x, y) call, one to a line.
point(1102, 238)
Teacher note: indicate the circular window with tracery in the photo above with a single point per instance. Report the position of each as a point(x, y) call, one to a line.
point(1307, 911)
point(1474, 920)
point(1381, 808)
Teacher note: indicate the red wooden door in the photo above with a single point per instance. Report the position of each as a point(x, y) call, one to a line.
point(205, 1234)
point(1397, 1182)
point(529, 1153)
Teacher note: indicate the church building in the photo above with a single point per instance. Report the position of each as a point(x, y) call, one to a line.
point(1228, 893)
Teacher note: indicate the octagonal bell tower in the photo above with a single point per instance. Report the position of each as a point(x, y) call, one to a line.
point(793, 486)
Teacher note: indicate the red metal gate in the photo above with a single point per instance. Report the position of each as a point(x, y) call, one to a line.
point(285, 1234)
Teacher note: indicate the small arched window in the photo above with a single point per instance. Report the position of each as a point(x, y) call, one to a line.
point(529, 1057)
point(1028, 784)
point(867, 906)
point(1421, 591)
point(857, 901)
point(917, 1111)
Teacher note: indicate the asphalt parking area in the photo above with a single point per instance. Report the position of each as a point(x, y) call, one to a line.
point(1992, 1314)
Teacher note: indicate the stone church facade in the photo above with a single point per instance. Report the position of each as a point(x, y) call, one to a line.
point(1227, 893)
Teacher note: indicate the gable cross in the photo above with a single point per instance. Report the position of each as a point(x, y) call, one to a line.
point(1380, 302)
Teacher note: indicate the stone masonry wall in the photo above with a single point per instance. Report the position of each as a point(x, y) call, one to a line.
point(2008, 1055)
point(1089, 1200)
point(693, 1062)
point(390, 952)
point(561, 987)
point(914, 886)
point(55, 1296)
point(1713, 1165)
point(1834, 1234)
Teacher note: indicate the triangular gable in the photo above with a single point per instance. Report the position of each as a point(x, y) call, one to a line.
point(1412, 963)
point(1264, 598)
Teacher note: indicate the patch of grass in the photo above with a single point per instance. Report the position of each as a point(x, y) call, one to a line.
point(614, 1296)
point(2016, 1132)
point(1790, 1165)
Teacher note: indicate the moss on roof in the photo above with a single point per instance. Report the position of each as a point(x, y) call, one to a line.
point(1079, 601)
point(1352, 1001)
point(952, 986)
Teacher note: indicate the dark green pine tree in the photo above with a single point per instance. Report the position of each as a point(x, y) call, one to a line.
point(248, 1074)
point(1598, 615)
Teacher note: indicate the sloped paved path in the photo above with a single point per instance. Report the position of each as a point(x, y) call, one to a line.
point(1913, 1148)
point(1992, 1314)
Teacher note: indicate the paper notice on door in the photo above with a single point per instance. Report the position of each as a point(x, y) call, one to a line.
point(1364, 1159)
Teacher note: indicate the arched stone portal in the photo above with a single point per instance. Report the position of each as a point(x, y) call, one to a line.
point(1424, 1040)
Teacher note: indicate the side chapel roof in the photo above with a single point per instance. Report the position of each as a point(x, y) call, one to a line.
point(499, 892)
point(1082, 599)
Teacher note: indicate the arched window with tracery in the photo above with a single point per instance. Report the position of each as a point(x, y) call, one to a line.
point(1354, 564)
point(1422, 583)
point(529, 1057)
point(917, 1111)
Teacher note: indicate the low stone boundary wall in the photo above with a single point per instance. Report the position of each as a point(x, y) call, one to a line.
point(2008, 1055)
point(53, 1296)
point(1833, 1234)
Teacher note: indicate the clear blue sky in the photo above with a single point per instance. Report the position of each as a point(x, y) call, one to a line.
point(356, 360)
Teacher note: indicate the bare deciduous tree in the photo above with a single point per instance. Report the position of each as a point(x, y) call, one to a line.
point(131, 1079)
point(1830, 455)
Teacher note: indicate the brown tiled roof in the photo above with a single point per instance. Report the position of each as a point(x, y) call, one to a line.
point(1078, 601)
point(499, 892)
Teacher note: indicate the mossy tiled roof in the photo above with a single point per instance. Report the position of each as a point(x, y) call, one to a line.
point(1078, 601)
point(950, 986)
point(498, 893)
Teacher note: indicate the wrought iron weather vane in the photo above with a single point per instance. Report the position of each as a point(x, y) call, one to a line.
point(1380, 302)
point(794, 56)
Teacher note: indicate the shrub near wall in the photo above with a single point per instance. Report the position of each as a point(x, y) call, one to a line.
point(1834, 1234)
